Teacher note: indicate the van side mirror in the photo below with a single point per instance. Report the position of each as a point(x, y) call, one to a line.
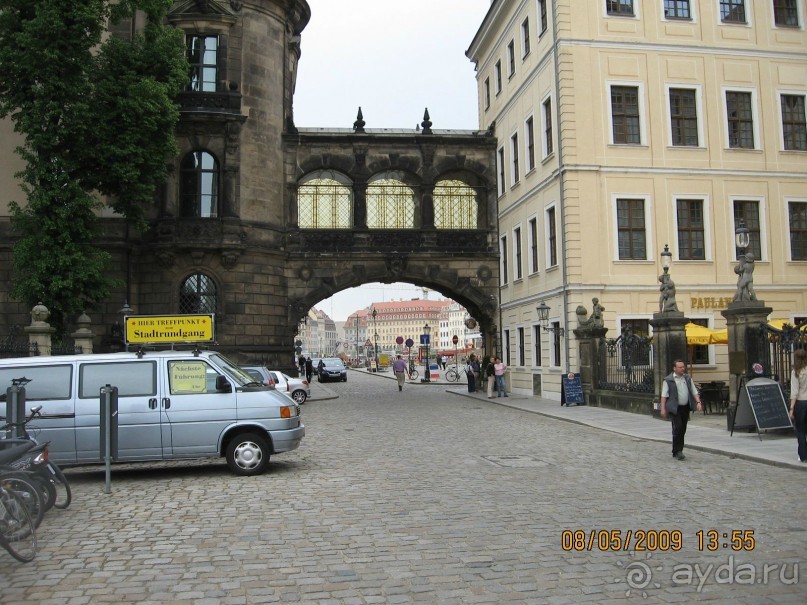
point(223, 385)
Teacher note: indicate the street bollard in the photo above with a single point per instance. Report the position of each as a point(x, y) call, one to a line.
point(109, 431)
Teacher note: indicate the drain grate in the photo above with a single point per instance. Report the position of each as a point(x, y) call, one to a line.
point(516, 461)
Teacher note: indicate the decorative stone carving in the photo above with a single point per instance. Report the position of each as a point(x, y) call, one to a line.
point(229, 258)
point(165, 258)
point(596, 319)
point(305, 274)
point(745, 279)
point(39, 315)
point(484, 273)
point(396, 265)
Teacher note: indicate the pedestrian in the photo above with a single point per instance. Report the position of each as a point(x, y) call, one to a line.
point(798, 400)
point(472, 371)
point(309, 369)
point(476, 368)
point(678, 398)
point(490, 376)
point(444, 361)
point(499, 368)
point(399, 368)
point(301, 364)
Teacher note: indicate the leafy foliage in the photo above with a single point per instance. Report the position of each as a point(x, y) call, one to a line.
point(96, 116)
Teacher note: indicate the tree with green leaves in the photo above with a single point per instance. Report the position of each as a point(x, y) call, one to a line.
point(96, 115)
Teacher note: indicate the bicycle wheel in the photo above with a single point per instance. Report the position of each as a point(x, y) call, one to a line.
point(29, 493)
point(17, 533)
point(413, 375)
point(452, 375)
point(63, 493)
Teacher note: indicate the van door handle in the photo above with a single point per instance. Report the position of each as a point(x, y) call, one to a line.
point(153, 403)
point(166, 403)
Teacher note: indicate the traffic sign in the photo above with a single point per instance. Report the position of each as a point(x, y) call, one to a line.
point(425, 339)
point(409, 342)
point(298, 343)
point(399, 340)
point(455, 339)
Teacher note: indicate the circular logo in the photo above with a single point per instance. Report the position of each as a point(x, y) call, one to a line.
point(470, 323)
point(758, 369)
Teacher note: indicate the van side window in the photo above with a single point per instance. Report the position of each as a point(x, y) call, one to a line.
point(47, 382)
point(191, 377)
point(133, 379)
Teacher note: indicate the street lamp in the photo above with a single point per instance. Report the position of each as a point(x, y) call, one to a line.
point(666, 258)
point(543, 320)
point(427, 330)
point(125, 311)
point(356, 324)
point(375, 329)
point(666, 301)
point(742, 236)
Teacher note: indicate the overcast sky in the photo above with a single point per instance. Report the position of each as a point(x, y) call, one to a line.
point(393, 59)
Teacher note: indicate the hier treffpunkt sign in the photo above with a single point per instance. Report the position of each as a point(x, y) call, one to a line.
point(151, 329)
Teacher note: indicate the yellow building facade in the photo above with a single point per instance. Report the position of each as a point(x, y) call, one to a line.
point(624, 126)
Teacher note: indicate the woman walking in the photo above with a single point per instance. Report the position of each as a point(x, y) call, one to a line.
point(798, 401)
point(499, 369)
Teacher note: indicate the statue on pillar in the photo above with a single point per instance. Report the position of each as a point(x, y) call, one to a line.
point(666, 301)
point(745, 280)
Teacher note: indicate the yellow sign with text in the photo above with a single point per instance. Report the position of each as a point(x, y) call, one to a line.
point(169, 328)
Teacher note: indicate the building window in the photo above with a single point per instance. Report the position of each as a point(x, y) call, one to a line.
point(502, 182)
point(511, 59)
point(525, 37)
point(548, 146)
point(199, 185)
point(699, 354)
point(677, 9)
point(625, 115)
point(683, 117)
point(455, 205)
point(747, 211)
point(794, 122)
point(732, 11)
point(556, 344)
point(542, 20)
point(631, 233)
point(514, 155)
point(619, 7)
point(517, 253)
point(691, 242)
point(498, 73)
point(551, 238)
point(521, 347)
point(533, 245)
point(325, 201)
point(201, 52)
point(786, 13)
point(390, 202)
point(536, 346)
point(797, 214)
point(487, 93)
point(740, 120)
point(503, 252)
point(529, 128)
point(197, 294)
point(507, 347)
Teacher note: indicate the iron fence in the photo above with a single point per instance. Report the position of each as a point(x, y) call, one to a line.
point(626, 364)
point(16, 344)
point(773, 349)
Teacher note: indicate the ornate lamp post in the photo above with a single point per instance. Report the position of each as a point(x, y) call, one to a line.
point(666, 301)
point(125, 311)
point(427, 330)
point(375, 347)
point(356, 325)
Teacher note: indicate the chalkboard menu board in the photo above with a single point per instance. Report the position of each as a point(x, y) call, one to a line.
point(571, 390)
point(762, 403)
point(768, 404)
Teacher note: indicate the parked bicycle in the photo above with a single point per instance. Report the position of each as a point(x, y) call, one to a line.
point(453, 373)
point(17, 528)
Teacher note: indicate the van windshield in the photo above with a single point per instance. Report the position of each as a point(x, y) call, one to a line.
point(238, 376)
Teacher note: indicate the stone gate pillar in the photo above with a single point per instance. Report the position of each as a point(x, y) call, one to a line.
point(40, 332)
point(588, 346)
point(83, 336)
point(740, 316)
point(669, 344)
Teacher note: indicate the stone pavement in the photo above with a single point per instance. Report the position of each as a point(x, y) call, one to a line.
point(705, 432)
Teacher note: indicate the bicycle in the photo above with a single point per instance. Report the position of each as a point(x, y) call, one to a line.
point(413, 374)
point(17, 530)
point(453, 374)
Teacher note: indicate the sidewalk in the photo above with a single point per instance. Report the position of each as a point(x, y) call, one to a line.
point(706, 433)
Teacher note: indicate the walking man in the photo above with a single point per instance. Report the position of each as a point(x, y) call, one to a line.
point(679, 396)
point(499, 368)
point(399, 368)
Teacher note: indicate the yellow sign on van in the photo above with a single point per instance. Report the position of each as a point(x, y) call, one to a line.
point(188, 377)
point(169, 328)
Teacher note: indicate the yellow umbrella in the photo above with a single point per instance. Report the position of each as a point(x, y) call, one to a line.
point(779, 323)
point(698, 335)
point(720, 337)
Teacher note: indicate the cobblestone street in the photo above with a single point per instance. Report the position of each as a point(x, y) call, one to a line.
point(422, 497)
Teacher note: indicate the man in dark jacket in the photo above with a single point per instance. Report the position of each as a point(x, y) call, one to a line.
point(678, 397)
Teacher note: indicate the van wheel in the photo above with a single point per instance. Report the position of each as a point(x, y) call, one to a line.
point(248, 454)
point(299, 396)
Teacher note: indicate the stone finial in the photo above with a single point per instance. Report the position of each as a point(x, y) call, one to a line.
point(426, 123)
point(358, 125)
point(39, 315)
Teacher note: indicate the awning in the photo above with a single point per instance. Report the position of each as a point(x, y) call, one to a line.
point(701, 336)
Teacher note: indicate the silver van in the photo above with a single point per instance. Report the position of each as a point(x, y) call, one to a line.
point(171, 405)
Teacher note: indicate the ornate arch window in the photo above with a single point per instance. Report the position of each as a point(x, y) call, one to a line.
point(325, 201)
point(390, 202)
point(455, 205)
point(197, 294)
point(199, 185)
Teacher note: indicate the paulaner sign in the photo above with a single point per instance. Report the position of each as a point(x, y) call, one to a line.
point(710, 302)
point(141, 329)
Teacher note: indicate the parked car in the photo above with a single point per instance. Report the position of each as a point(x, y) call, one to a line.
point(261, 374)
point(331, 368)
point(296, 388)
